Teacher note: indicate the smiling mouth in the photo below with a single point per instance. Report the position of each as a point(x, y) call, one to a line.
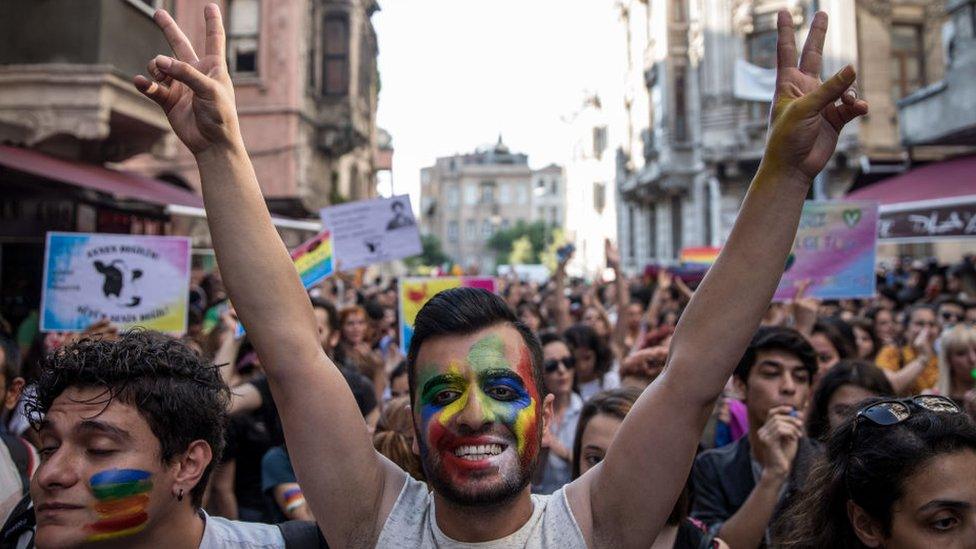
point(478, 452)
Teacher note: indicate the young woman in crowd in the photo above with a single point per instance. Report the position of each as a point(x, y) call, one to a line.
point(558, 374)
point(897, 474)
point(599, 421)
point(867, 342)
point(354, 350)
point(830, 343)
point(840, 391)
point(394, 436)
point(885, 327)
point(594, 361)
point(957, 365)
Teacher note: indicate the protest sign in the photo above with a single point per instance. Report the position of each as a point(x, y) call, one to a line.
point(372, 231)
point(313, 259)
point(834, 249)
point(415, 292)
point(130, 280)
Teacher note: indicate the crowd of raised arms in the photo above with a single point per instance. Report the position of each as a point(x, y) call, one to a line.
point(645, 411)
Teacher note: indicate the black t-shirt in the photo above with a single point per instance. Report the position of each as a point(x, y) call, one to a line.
point(247, 441)
point(269, 412)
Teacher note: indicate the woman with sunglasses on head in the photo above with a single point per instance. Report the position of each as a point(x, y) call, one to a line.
point(558, 373)
point(901, 473)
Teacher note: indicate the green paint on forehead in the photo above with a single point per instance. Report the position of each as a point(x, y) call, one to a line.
point(488, 353)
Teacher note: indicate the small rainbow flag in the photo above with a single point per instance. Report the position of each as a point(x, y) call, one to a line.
point(704, 255)
point(123, 495)
point(313, 259)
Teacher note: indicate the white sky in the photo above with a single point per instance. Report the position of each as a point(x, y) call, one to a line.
point(456, 73)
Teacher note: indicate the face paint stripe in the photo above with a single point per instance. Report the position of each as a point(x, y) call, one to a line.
point(118, 476)
point(115, 535)
point(119, 523)
point(122, 506)
point(117, 491)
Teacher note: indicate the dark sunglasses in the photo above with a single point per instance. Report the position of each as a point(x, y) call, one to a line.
point(951, 317)
point(552, 365)
point(894, 411)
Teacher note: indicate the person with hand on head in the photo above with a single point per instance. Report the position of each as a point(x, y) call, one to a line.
point(479, 404)
point(897, 474)
point(914, 367)
point(740, 489)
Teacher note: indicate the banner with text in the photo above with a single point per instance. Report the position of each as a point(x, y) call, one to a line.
point(415, 292)
point(372, 231)
point(834, 250)
point(130, 280)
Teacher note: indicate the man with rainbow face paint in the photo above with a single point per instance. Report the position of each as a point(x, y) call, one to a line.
point(478, 404)
point(129, 431)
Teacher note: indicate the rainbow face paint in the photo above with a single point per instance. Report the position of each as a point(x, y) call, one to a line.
point(123, 496)
point(479, 416)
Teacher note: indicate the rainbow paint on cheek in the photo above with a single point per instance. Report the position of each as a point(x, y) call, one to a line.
point(123, 496)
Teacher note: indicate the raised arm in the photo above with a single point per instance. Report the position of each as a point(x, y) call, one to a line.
point(346, 482)
point(630, 494)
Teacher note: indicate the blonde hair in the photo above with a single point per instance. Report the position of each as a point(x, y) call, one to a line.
point(960, 336)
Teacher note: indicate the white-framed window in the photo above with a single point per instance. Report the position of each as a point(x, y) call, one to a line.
point(452, 231)
point(243, 36)
point(486, 229)
point(521, 195)
point(505, 193)
point(470, 230)
point(471, 195)
point(452, 197)
point(487, 192)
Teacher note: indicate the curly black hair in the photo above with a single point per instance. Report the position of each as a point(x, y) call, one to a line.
point(182, 398)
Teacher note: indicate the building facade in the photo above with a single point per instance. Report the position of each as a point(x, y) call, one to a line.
point(708, 68)
point(306, 84)
point(467, 198)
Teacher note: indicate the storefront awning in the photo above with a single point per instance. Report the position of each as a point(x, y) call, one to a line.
point(934, 202)
point(121, 185)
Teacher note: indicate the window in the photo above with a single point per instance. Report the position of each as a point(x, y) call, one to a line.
point(554, 187)
point(486, 229)
point(679, 12)
point(470, 195)
point(487, 192)
point(335, 55)
point(599, 197)
point(707, 206)
point(506, 224)
point(554, 215)
point(680, 105)
point(521, 196)
point(452, 231)
point(452, 197)
point(907, 60)
point(599, 141)
point(631, 237)
point(470, 230)
point(505, 194)
point(761, 48)
point(676, 220)
point(244, 17)
point(652, 231)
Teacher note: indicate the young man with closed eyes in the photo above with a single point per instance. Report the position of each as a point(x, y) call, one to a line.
point(478, 403)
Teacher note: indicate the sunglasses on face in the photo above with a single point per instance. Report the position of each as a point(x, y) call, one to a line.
point(895, 411)
point(552, 365)
point(951, 317)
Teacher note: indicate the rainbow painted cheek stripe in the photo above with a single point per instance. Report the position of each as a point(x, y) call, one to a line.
point(123, 496)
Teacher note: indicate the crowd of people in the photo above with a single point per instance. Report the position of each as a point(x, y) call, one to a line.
point(638, 411)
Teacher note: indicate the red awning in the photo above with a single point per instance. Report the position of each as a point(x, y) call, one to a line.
point(939, 180)
point(123, 185)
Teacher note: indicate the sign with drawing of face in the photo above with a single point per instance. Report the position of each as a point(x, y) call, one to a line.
point(372, 231)
point(130, 280)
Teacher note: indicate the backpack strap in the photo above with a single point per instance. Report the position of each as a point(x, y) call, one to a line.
point(302, 534)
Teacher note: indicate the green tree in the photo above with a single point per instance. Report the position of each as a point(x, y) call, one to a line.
point(521, 252)
point(432, 254)
point(538, 235)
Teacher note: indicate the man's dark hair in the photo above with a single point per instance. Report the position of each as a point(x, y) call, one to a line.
point(464, 311)
point(362, 391)
point(330, 309)
point(546, 338)
point(950, 300)
point(180, 397)
point(11, 359)
point(770, 338)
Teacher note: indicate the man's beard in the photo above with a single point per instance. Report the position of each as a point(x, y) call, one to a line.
point(507, 489)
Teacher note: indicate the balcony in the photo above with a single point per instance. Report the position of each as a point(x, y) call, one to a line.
point(65, 75)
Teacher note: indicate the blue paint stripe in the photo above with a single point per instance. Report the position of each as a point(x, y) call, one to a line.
point(117, 476)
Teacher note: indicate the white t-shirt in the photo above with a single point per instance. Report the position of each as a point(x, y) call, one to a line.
point(411, 524)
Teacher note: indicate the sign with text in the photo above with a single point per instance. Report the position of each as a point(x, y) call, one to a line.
point(130, 280)
point(834, 250)
point(929, 224)
point(415, 292)
point(372, 231)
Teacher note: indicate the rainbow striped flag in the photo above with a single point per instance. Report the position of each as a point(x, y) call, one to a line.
point(703, 255)
point(415, 292)
point(313, 259)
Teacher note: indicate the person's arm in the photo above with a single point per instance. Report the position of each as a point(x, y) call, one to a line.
point(623, 297)
point(563, 319)
point(664, 281)
point(903, 379)
point(355, 491)
point(290, 499)
point(625, 500)
point(222, 502)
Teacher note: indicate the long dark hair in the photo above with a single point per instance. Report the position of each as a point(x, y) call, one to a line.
point(847, 372)
point(583, 336)
point(870, 468)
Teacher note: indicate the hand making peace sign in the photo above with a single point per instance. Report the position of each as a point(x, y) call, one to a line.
point(805, 120)
point(195, 92)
